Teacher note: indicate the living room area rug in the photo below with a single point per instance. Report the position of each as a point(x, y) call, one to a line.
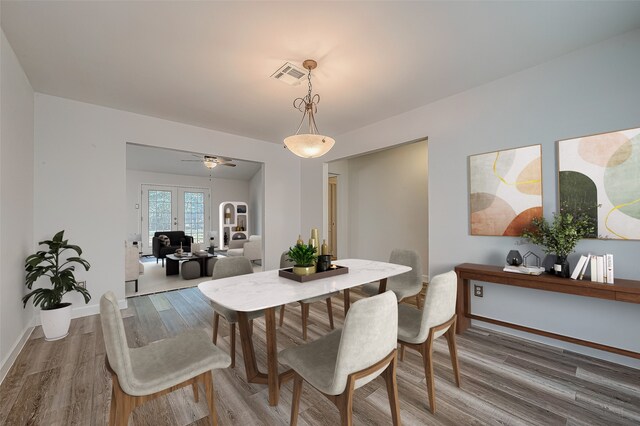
point(155, 280)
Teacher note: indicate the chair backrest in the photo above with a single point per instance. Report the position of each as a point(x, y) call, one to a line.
point(411, 279)
point(231, 266)
point(284, 262)
point(369, 334)
point(439, 303)
point(115, 340)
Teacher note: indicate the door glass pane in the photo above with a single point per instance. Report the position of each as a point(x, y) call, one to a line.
point(194, 215)
point(159, 213)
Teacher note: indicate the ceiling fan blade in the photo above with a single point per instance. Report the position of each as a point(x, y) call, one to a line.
point(227, 164)
point(198, 161)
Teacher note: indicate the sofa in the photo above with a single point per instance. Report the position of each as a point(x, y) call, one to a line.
point(251, 248)
point(133, 268)
point(176, 239)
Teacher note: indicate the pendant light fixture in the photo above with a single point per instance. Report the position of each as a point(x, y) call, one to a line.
point(311, 144)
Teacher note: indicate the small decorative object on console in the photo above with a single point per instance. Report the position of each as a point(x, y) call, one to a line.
point(514, 258)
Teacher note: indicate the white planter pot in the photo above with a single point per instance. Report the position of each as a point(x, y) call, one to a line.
point(55, 322)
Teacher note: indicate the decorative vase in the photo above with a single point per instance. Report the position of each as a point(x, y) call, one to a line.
point(324, 262)
point(304, 270)
point(55, 322)
point(561, 267)
point(514, 258)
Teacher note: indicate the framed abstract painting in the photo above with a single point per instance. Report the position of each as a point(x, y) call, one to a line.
point(505, 190)
point(603, 170)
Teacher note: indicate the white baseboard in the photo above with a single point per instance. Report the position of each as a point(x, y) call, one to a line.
point(425, 279)
point(13, 354)
point(85, 311)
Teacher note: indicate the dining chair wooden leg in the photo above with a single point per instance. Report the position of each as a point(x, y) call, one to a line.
point(295, 402)
point(251, 327)
point(232, 336)
point(418, 300)
point(401, 352)
point(344, 402)
point(427, 358)
point(216, 321)
point(305, 317)
point(347, 301)
point(392, 391)
point(211, 399)
point(282, 315)
point(196, 397)
point(113, 411)
point(450, 335)
point(330, 312)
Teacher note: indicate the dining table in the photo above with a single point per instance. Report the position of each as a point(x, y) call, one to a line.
point(267, 291)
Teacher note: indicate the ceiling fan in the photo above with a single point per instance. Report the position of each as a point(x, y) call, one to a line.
point(210, 161)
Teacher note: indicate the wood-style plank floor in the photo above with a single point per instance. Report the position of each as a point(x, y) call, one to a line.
point(505, 380)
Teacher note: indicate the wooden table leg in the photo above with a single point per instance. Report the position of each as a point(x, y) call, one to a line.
point(272, 356)
point(347, 301)
point(248, 353)
point(383, 286)
point(462, 305)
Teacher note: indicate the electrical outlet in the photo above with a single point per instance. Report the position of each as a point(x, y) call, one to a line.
point(82, 284)
point(478, 290)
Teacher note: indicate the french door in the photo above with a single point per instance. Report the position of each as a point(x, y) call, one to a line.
point(174, 208)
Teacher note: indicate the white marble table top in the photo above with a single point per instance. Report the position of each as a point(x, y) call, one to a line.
point(267, 289)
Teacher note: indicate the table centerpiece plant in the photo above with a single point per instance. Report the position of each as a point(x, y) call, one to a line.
point(560, 236)
point(304, 258)
point(55, 315)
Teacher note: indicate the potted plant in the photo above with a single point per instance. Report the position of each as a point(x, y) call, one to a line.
point(304, 257)
point(55, 316)
point(561, 236)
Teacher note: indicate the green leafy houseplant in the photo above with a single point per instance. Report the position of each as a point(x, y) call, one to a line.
point(561, 236)
point(302, 255)
point(52, 264)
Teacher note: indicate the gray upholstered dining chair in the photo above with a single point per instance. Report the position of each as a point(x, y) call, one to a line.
point(304, 304)
point(349, 358)
point(403, 285)
point(418, 329)
point(223, 268)
point(141, 374)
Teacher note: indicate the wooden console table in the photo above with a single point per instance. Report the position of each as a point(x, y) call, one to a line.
point(622, 290)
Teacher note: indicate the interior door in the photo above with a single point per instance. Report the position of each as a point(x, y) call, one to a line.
point(159, 212)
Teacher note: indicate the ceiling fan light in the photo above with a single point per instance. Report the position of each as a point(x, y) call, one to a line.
point(309, 145)
point(210, 164)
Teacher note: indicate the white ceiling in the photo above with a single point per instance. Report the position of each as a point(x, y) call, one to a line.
point(208, 63)
point(159, 160)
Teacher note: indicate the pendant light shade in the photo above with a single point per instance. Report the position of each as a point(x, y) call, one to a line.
point(311, 144)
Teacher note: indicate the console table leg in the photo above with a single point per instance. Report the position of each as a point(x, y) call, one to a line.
point(462, 305)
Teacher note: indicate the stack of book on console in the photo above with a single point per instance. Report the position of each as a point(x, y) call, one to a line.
point(600, 268)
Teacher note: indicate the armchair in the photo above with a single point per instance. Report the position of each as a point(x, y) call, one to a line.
point(251, 249)
point(176, 239)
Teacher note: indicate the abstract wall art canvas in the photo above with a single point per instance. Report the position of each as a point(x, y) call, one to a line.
point(505, 190)
point(603, 170)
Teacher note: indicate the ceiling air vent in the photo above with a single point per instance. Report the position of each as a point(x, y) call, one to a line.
point(290, 74)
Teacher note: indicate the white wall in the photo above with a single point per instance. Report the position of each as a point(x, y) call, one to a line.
point(16, 209)
point(80, 180)
point(256, 203)
point(589, 91)
point(221, 190)
point(387, 202)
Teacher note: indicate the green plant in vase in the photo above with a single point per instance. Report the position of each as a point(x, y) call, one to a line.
point(304, 257)
point(55, 315)
point(561, 236)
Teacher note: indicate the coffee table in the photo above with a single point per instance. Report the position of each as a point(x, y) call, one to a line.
point(173, 263)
